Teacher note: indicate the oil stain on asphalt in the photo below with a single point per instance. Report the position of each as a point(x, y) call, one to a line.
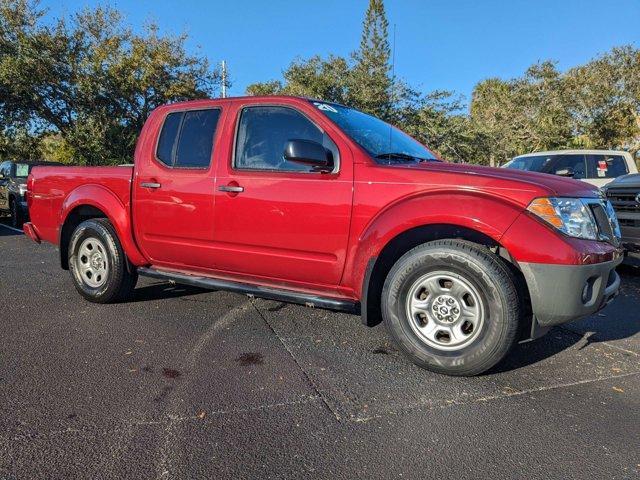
point(170, 373)
point(250, 358)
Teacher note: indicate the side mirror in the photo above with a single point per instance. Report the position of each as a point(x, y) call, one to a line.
point(565, 172)
point(310, 153)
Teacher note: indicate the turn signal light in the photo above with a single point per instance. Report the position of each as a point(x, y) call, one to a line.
point(543, 208)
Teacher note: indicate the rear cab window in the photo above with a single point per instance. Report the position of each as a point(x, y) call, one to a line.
point(22, 170)
point(607, 166)
point(186, 139)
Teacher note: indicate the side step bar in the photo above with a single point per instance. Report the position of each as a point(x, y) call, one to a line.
point(289, 296)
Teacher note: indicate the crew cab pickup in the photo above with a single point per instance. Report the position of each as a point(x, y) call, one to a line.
point(306, 201)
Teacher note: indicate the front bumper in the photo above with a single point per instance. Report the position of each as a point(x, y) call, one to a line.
point(561, 293)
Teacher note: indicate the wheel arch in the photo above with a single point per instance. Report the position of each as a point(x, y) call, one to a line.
point(95, 201)
point(378, 266)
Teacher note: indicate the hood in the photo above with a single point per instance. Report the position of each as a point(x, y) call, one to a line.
point(553, 185)
point(631, 180)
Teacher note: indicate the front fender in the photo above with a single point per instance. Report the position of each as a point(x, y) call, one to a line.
point(118, 214)
point(473, 210)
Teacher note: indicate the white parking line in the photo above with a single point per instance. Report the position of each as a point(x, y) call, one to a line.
point(11, 228)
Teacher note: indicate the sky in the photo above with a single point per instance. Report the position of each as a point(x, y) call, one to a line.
point(439, 44)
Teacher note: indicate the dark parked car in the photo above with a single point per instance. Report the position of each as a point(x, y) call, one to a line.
point(624, 194)
point(13, 184)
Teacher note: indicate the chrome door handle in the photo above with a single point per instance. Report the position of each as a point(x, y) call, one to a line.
point(150, 185)
point(231, 188)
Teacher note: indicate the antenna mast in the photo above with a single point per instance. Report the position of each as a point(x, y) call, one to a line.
point(393, 78)
point(224, 79)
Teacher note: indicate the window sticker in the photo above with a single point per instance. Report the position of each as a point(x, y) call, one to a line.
point(325, 107)
point(602, 168)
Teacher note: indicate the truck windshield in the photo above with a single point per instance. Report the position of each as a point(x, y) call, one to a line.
point(385, 143)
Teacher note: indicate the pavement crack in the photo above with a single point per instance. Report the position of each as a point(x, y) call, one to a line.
point(485, 399)
point(294, 358)
point(168, 449)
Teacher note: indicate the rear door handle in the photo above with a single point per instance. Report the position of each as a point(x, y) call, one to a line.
point(150, 185)
point(231, 188)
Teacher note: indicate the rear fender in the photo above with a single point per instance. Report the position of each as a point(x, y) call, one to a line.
point(118, 214)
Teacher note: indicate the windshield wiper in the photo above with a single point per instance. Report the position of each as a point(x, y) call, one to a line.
point(401, 156)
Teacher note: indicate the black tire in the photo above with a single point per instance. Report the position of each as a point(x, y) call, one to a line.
point(119, 282)
point(487, 276)
point(16, 215)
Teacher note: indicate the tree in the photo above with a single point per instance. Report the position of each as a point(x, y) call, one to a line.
point(314, 77)
point(523, 115)
point(363, 81)
point(370, 83)
point(605, 100)
point(90, 82)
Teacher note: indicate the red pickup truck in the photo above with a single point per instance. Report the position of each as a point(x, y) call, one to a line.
point(316, 203)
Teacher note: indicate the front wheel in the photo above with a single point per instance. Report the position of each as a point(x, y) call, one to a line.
point(452, 307)
point(97, 263)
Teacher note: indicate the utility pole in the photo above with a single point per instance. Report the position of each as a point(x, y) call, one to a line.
point(224, 79)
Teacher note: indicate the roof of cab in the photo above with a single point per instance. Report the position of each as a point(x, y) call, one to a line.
point(574, 152)
point(257, 98)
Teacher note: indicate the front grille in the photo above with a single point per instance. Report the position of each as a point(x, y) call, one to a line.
point(623, 200)
point(629, 222)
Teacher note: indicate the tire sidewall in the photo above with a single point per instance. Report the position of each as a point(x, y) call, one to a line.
point(108, 289)
point(421, 262)
point(15, 215)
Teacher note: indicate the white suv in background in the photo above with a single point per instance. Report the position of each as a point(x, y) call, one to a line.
point(597, 167)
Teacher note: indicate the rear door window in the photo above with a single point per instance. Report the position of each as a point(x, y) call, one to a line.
point(607, 166)
point(186, 139)
point(168, 136)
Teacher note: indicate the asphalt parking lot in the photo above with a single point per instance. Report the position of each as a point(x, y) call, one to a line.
point(184, 383)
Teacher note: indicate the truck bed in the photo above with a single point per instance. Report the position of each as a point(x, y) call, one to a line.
point(54, 189)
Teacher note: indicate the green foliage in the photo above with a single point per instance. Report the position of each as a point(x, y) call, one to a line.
point(79, 89)
point(605, 100)
point(596, 105)
point(314, 78)
point(370, 84)
point(90, 81)
point(523, 115)
point(362, 81)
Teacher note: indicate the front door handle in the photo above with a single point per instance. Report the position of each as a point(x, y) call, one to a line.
point(150, 185)
point(231, 188)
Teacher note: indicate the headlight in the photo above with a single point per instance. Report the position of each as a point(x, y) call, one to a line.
point(22, 189)
point(571, 216)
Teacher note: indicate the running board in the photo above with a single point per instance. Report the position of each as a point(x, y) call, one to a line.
point(289, 296)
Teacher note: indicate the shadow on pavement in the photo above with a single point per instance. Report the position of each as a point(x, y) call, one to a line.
point(160, 291)
point(7, 232)
point(620, 320)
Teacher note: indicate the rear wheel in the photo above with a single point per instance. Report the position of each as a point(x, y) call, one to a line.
point(452, 307)
point(16, 215)
point(97, 263)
